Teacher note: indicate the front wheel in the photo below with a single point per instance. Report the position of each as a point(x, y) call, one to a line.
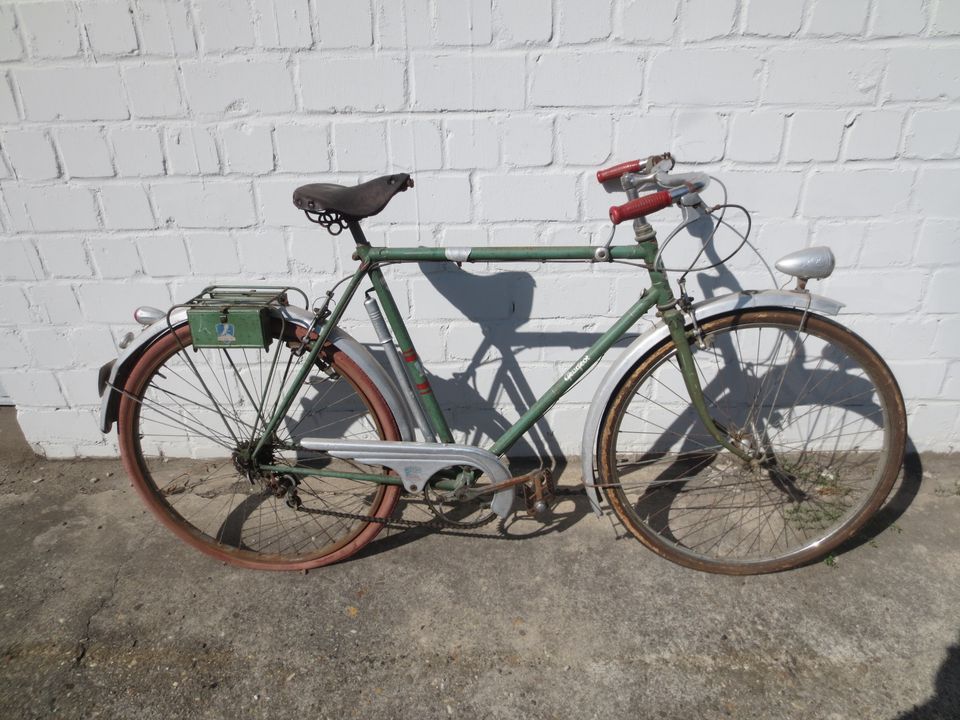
point(189, 418)
point(814, 407)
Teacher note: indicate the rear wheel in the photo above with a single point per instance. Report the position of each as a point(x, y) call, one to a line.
point(815, 408)
point(189, 418)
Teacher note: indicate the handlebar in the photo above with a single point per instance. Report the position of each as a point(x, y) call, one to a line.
point(657, 169)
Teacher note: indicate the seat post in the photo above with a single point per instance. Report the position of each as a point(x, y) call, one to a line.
point(357, 233)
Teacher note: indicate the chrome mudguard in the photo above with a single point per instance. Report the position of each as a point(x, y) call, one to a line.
point(704, 310)
point(110, 399)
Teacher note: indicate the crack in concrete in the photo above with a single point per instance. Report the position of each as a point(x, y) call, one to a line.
point(83, 642)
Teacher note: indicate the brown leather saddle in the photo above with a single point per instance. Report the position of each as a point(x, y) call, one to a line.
point(353, 203)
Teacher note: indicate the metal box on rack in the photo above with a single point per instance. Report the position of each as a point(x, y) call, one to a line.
point(230, 317)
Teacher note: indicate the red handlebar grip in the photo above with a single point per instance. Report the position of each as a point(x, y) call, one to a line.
point(612, 173)
point(645, 205)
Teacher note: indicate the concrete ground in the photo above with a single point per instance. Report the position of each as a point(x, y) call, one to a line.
point(104, 614)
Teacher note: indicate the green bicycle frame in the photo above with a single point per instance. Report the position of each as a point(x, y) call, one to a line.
point(657, 295)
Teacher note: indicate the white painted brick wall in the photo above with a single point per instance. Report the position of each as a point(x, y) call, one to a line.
point(148, 147)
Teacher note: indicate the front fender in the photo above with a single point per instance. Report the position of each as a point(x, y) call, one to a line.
point(659, 333)
point(114, 375)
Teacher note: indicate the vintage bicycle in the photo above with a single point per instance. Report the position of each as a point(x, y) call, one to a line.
point(745, 433)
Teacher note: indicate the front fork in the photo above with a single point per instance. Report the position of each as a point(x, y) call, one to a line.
point(673, 319)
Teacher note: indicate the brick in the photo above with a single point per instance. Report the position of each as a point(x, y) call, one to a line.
point(31, 154)
point(11, 48)
point(79, 387)
point(335, 83)
point(923, 74)
point(303, 148)
point(892, 18)
point(527, 197)
point(51, 28)
point(902, 290)
point(699, 136)
point(191, 151)
point(463, 22)
point(283, 23)
point(205, 204)
point(165, 27)
point(935, 423)
point(224, 25)
point(407, 24)
point(13, 352)
point(571, 78)
point(580, 22)
point(939, 242)
point(527, 140)
point(435, 297)
point(860, 193)
point(263, 253)
point(884, 245)
point(126, 207)
point(64, 257)
point(765, 194)
point(874, 135)
point(935, 192)
point(14, 309)
point(781, 19)
point(838, 17)
point(756, 137)
point(815, 135)
point(584, 139)
point(344, 24)
point(946, 18)
point(641, 135)
point(474, 81)
point(651, 21)
point(65, 93)
point(213, 254)
point(20, 260)
point(706, 19)
point(137, 151)
point(248, 149)
point(154, 91)
point(52, 208)
point(113, 302)
point(85, 152)
point(360, 146)
point(55, 304)
point(109, 27)
point(8, 107)
point(933, 134)
point(801, 77)
point(65, 425)
point(920, 379)
point(164, 256)
point(734, 77)
point(526, 23)
point(416, 145)
point(435, 198)
point(33, 389)
point(115, 257)
point(553, 299)
point(239, 87)
point(472, 143)
point(941, 293)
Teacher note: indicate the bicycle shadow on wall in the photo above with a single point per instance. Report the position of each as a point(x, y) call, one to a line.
point(499, 305)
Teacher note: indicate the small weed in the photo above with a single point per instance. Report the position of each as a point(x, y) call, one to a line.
point(830, 561)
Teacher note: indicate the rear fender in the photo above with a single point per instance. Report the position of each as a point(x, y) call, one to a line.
point(114, 374)
point(658, 334)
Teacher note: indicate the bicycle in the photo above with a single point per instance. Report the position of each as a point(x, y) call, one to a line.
point(746, 433)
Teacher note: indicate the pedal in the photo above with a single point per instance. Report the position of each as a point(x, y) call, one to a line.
point(539, 493)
